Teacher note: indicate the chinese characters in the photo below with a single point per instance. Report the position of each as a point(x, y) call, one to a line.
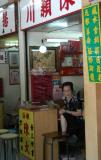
point(26, 131)
point(5, 19)
point(30, 13)
point(64, 4)
point(91, 17)
point(46, 8)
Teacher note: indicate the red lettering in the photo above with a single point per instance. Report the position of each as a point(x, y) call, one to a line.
point(64, 4)
point(30, 13)
point(26, 129)
point(5, 19)
point(26, 148)
point(46, 8)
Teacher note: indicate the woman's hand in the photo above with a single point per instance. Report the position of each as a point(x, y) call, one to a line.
point(62, 111)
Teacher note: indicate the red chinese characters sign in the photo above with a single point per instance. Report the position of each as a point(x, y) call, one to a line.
point(7, 20)
point(35, 12)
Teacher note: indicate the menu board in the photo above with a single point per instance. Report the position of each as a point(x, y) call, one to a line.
point(91, 22)
point(27, 134)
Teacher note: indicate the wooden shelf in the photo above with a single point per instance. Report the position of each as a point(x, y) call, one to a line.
point(71, 71)
point(70, 67)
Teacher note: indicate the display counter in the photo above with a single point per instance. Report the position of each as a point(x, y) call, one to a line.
point(33, 123)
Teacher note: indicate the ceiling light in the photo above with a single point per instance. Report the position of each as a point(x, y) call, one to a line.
point(11, 43)
point(35, 50)
point(1, 9)
point(59, 24)
point(57, 40)
point(42, 48)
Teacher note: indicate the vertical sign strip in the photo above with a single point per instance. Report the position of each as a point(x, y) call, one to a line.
point(91, 25)
point(27, 133)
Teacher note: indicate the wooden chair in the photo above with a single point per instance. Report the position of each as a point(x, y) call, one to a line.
point(50, 138)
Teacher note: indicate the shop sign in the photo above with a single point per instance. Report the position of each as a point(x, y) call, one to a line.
point(26, 135)
point(7, 20)
point(89, 2)
point(35, 12)
point(91, 22)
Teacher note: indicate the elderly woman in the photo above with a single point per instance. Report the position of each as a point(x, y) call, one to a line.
point(71, 113)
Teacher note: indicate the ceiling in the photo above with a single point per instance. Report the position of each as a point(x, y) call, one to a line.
point(8, 41)
point(69, 23)
point(69, 27)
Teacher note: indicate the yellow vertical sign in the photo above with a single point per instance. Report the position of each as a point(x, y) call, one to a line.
point(26, 132)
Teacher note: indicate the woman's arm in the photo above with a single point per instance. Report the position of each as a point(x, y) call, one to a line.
point(75, 113)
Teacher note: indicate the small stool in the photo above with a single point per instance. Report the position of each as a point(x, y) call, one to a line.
point(7, 141)
point(3, 131)
point(54, 136)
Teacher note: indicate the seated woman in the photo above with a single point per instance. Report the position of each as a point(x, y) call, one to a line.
point(71, 113)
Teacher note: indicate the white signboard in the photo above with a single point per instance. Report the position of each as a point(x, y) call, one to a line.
point(35, 12)
point(7, 20)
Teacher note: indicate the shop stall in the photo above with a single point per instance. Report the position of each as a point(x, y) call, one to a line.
point(54, 53)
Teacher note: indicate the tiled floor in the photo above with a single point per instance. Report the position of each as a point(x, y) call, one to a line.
point(78, 156)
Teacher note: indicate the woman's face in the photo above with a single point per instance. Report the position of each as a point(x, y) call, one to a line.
point(67, 91)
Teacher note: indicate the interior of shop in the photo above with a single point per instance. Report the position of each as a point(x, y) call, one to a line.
point(55, 49)
point(56, 36)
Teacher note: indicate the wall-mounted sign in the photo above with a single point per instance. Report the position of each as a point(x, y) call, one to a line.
point(89, 2)
point(92, 30)
point(27, 134)
point(35, 12)
point(7, 20)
